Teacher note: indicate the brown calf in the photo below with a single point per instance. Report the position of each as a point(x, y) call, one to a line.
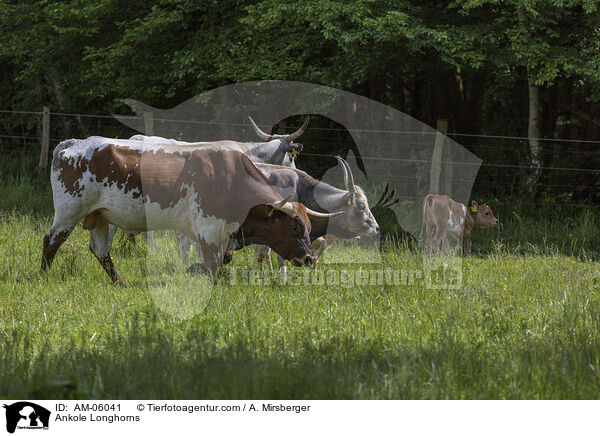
point(443, 217)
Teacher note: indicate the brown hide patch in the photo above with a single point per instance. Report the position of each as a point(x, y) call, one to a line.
point(227, 183)
point(110, 164)
point(162, 177)
point(71, 174)
point(118, 165)
point(436, 211)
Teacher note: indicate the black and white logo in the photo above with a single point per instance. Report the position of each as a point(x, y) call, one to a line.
point(26, 415)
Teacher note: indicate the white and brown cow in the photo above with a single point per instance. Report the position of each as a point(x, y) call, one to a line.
point(279, 150)
point(209, 195)
point(443, 217)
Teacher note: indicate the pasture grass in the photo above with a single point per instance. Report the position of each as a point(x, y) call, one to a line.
point(525, 323)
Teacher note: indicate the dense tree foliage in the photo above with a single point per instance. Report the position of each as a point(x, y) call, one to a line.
point(512, 68)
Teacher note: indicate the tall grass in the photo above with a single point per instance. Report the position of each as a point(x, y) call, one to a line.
point(525, 323)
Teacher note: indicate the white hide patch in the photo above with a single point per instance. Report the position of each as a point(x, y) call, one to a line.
point(188, 216)
point(456, 224)
point(257, 151)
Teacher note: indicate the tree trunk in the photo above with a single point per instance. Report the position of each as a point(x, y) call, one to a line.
point(53, 76)
point(533, 132)
point(533, 125)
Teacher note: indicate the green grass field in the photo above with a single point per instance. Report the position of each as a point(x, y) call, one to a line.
point(525, 324)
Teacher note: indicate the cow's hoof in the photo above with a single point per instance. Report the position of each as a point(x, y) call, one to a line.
point(197, 268)
point(118, 280)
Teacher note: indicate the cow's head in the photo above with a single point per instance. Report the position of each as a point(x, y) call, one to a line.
point(357, 218)
point(287, 141)
point(483, 215)
point(284, 226)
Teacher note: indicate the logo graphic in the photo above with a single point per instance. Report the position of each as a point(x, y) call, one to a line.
point(390, 160)
point(26, 415)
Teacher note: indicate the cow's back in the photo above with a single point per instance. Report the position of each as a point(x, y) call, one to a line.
point(228, 183)
point(443, 212)
point(129, 177)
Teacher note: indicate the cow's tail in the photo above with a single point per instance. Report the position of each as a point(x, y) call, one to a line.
point(427, 204)
point(60, 147)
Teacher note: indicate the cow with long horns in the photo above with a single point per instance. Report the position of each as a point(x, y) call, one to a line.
point(206, 194)
point(278, 149)
point(356, 220)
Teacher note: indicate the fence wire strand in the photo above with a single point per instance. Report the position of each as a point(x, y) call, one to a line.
point(471, 147)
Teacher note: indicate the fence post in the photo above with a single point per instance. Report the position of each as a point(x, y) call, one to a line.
point(448, 171)
point(148, 123)
point(45, 139)
point(436, 158)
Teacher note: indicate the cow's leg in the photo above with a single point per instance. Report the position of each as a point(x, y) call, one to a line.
point(185, 244)
point(261, 253)
point(268, 257)
point(427, 237)
point(99, 245)
point(211, 257)
point(228, 256)
point(111, 234)
point(150, 241)
point(53, 240)
point(433, 244)
point(430, 232)
point(199, 252)
point(131, 237)
point(282, 268)
point(444, 240)
point(437, 240)
point(318, 246)
point(467, 242)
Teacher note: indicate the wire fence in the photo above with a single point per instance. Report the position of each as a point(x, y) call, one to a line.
point(21, 134)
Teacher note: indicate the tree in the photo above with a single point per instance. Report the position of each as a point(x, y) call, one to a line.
point(546, 41)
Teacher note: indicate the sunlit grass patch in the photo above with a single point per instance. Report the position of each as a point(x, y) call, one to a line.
point(524, 324)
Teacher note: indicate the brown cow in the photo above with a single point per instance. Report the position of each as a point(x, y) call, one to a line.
point(209, 195)
point(443, 217)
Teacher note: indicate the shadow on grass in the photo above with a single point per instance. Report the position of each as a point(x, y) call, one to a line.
point(142, 360)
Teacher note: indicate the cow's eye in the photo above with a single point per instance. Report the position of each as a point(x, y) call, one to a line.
point(487, 214)
point(361, 206)
point(297, 227)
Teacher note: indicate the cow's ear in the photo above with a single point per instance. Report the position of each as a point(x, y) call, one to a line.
point(474, 206)
point(270, 211)
point(349, 198)
point(295, 148)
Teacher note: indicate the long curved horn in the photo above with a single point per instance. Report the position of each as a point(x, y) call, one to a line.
point(348, 177)
point(351, 188)
point(341, 162)
point(316, 215)
point(293, 136)
point(284, 206)
point(260, 133)
point(280, 204)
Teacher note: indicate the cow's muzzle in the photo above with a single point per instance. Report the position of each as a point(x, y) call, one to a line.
point(306, 260)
